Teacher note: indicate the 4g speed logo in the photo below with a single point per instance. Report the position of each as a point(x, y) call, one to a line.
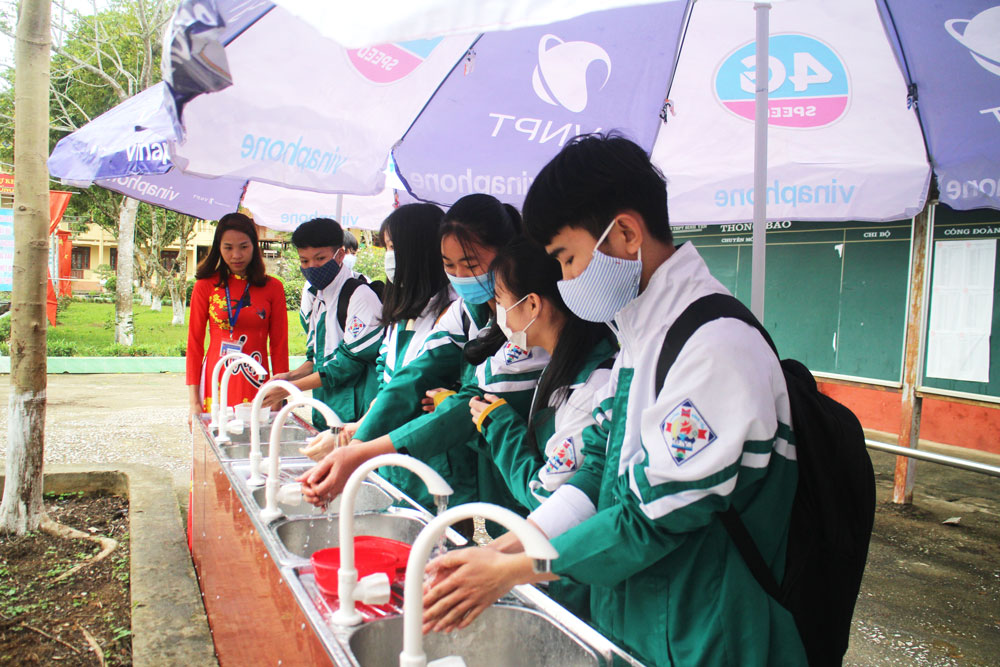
point(807, 82)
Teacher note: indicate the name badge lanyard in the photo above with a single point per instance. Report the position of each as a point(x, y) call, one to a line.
point(235, 314)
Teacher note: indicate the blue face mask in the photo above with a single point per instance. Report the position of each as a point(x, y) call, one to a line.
point(321, 276)
point(605, 286)
point(474, 289)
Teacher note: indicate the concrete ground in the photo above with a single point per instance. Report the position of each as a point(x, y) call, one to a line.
point(931, 594)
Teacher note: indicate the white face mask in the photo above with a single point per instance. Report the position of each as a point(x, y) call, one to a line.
point(349, 261)
point(519, 338)
point(390, 265)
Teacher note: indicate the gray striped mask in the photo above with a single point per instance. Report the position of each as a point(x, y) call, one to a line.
point(605, 286)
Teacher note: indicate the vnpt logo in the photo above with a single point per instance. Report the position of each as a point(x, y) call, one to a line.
point(807, 82)
point(981, 36)
point(560, 78)
point(388, 63)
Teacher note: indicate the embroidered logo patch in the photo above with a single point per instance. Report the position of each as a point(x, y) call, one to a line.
point(686, 432)
point(563, 459)
point(513, 353)
point(355, 326)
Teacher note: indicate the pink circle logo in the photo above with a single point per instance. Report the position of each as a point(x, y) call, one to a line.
point(388, 63)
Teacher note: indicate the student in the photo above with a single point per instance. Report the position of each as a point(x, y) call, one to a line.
point(536, 455)
point(350, 250)
point(340, 356)
point(462, 355)
point(244, 310)
point(637, 522)
point(416, 298)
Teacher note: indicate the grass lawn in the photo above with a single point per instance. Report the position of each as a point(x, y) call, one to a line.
point(87, 330)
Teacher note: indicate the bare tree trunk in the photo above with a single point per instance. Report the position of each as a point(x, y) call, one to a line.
point(21, 509)
point(124, 326)
point(177, 295)
point(178, 282)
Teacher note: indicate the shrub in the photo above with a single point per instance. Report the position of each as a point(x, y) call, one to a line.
point(371, 262)
point(119, 350)
point(61, 348)
point(109, 279)
point(4, 329)
point(4, 349)
point(293, 291)
point(189, 289)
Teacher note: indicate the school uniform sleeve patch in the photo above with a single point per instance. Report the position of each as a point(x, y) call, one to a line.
point(563, 458)
point(512, 353)
point(355, 326)
point(686, 432)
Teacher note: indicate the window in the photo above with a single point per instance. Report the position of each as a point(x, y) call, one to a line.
point(114, 259)
point(168, 260)
point(81, 258)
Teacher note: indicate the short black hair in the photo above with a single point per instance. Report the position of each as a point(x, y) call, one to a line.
point(590, 181)
point(318, 233)
point(350, 241)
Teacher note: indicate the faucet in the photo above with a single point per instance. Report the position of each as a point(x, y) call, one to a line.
point(349, 589)
point(271, 511)
point(219, 417)
point(256, 479)
point(536, 546)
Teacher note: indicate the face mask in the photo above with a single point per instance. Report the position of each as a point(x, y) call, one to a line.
point(604, 287)
point(349, 261)
point(519, 338)
point(474, 289)
point(390, 265)
point(321, 276)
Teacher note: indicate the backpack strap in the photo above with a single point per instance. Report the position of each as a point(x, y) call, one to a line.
point(699, 312)
point(344, 300)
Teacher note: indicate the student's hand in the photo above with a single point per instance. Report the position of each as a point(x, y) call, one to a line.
point(287, 377)
point(320, 445)
point(477, 405)
point(274, 398)
point(324, 481)
point(463, 583)
point(346, 434)
point(427, 403)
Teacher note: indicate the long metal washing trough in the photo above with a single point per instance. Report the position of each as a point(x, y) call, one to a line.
point(265, 608)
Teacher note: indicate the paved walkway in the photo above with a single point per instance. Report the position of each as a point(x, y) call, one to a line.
point(931, 594)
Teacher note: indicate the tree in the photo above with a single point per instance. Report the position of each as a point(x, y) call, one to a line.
point(21, 509)
point(99, 61)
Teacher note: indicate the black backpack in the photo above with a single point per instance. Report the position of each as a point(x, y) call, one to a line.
point(347, 291)
point(834, 507)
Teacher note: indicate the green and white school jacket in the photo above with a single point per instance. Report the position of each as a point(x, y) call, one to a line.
point(638, 521)
point(344, 358)
point(438, 365)
point(403, 343)
point(533, 474)
point(440, 438)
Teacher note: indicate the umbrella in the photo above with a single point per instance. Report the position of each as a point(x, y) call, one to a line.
point(860, 107)
point(126, 150)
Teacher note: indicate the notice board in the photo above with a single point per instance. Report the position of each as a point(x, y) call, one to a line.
point(961, 241)
point(835, 296)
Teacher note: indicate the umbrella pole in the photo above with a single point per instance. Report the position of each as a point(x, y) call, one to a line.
point(340, 209)
point(761, 77)
point(912, 403)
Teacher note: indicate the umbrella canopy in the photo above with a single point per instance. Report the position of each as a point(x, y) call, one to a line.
point(126, 150)
point(862, 93)
point(482, 113)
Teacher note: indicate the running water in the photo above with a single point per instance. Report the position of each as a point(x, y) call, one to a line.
point(440, 548)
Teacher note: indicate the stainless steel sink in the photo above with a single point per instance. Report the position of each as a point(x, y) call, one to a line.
point(287, 449)
point(370, 497)
point(303, 536)
point(502, 636)
point(288, 432)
